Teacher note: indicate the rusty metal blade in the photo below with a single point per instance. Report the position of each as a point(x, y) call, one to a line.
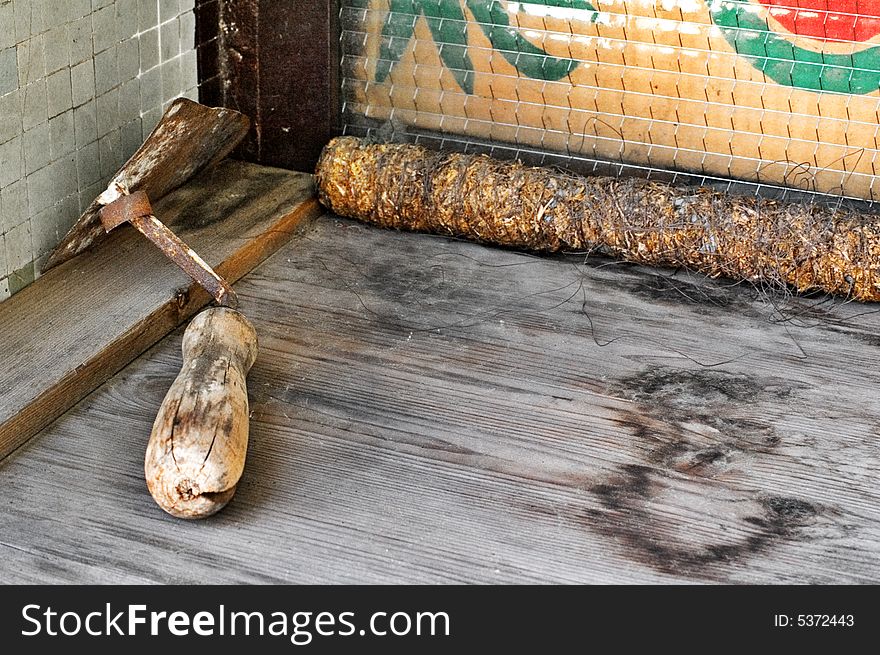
point(125, 208)
point(189, 137)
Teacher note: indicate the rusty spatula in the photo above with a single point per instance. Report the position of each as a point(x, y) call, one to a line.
point(197, 447)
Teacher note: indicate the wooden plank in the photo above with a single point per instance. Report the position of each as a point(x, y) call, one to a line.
point(247, 62)
point(427, 410)
point(83, 321)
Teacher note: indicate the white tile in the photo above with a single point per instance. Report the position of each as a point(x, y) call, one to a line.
point(37, 152)
point(25, 25)
point(189, 70)
point(56, 49)
point(149, 49)
point(168, 9)
point(65, 175)
point(13, 205)
point(87, 195)
point(129, 101)
point(110, 153)
point(80, 40)
point(54, 13)
point(44, 231)
point(82, 78)
point(11, 161)
point(104, 28)
point(69, 213)
point(187, 31)
point(169, 40)
point(148, 14)
point(88, 166)
point(128, 59)
point(107, 112)
point(8, 71)
point(58, 92)
point(40, 190)
point(171, 86)
point(78, 8)
point(126, 19)
point(7, 26)
point(106, 70)
point(151, 89)
point(31, 61)
point(10, 116)
point(150, 119)
point(132, 137)
point(19, 249)
point(61, 134)
point(85, 124)
point(35, 105)
point(4, 269)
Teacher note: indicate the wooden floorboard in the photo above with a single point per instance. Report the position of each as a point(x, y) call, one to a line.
point(428, 410)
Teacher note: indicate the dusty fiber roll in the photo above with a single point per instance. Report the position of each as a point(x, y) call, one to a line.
point(407, 187)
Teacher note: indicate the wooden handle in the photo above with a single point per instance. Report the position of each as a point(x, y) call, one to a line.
point(199, 441)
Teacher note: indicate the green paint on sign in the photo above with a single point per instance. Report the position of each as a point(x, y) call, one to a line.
point(448, 24)
point(786, 63)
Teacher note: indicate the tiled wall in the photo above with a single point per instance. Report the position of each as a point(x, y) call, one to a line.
point(82, 82)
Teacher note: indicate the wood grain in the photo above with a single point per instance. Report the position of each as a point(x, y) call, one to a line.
point(87, 318)
point(426, 410)
point(199, 440)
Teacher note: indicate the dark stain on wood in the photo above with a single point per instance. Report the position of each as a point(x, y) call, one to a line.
point(678, 387)
point(229, 192)
point(867, 338)
point(673, 289)
point(628, 517)
point(693, 435)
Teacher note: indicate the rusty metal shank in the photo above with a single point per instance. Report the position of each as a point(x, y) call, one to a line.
point(136, 209)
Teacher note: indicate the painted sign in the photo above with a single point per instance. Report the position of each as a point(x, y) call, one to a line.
point(822, 45)
point(759, 90)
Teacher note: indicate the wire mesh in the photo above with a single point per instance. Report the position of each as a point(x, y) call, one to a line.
point(775, 97)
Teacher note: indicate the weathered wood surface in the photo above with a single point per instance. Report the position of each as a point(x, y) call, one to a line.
point(198, 444)
point(84, 320)
point(425, 410)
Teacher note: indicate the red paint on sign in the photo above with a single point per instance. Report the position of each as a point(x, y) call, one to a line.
point(840, 20)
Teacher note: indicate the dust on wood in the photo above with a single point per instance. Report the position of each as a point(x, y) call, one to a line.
point(429, 410)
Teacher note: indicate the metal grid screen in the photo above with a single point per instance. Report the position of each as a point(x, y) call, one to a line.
point(777, 95)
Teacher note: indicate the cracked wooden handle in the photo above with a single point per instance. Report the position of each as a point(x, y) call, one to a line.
point(197, 448)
